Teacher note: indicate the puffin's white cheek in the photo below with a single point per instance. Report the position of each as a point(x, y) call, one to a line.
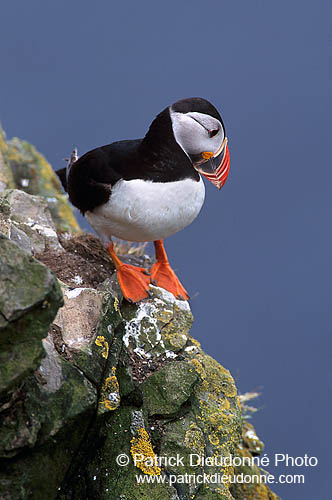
point(193, 142)
point(189, 136)
point(192, 135)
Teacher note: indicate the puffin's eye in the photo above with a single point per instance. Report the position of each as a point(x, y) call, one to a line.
point(212, 133)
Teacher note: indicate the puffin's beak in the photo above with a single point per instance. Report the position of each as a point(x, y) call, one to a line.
point(216, 168)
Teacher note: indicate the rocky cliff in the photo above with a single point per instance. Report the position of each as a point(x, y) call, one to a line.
point(95, 391)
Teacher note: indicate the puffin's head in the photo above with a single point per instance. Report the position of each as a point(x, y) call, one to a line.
point(200, 132)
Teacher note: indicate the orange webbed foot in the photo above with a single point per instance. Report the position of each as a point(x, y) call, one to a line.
point(163, 275)
point(134, 281)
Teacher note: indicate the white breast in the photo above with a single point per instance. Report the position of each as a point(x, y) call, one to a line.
point(146, 211)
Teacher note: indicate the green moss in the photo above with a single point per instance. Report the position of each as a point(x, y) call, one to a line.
point(38, 287)
point(26, 311)
point(18, 361)
point(38, 473)
point(101, 476)
point(26, 169)
point(166, 390)
point(34, 174)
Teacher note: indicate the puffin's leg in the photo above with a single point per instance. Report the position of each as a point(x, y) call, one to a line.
point(134, 281)
point(163, 275)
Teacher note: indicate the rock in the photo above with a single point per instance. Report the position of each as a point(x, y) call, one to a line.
point(177, 402)
point(42, 427)
point(85, 328)
point(45, 401)
point(22, 167)
point(87, 377)
point(161, 326)
point(27, 220)
point(166, 390)
point(249, 447)
point(29, 298)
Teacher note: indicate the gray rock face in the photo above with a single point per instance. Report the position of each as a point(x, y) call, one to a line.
point(27, 221)
point(29, 298)
point(86, 378)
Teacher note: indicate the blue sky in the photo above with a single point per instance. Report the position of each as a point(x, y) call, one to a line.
point(257, 261)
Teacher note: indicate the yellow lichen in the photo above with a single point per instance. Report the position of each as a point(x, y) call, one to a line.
point(164, 315)
point(213, 438)
point(116, 304)
point(102, 342)
point(110, 392)
point(6, 175)
point(194, 439)
point(176, 339)
point(221, 419)
point(3, 143)
point(219, 377)
point(228, 472)
point(198, 367)
point(143, 455)
point(218, 410)
point(195, 342)
point(255, 490)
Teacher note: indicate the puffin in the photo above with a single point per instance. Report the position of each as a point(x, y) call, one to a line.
point(145, 190)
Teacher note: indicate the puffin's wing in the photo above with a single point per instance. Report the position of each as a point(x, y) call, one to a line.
point(90, 179)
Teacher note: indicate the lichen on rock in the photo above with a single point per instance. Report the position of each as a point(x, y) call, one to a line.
point(23, 167)
point(110, 393)
point(248, 447)
point(142, 453)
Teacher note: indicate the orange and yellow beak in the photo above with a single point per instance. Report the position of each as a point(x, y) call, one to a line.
point(215, 167)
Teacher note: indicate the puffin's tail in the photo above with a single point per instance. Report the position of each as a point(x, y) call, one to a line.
point(63, 173)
